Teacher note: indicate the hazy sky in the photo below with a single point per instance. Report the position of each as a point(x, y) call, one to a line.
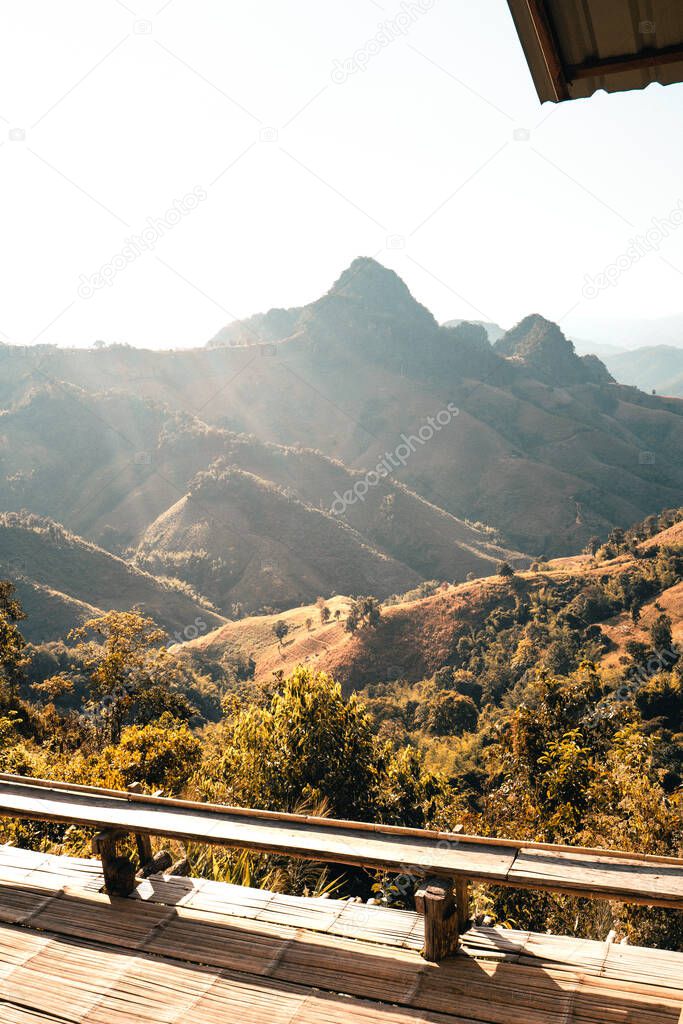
point(305, 135)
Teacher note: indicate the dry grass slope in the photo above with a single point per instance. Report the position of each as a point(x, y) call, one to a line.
point(415, 636)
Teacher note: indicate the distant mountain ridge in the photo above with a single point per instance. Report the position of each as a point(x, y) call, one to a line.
point(376, 312)
point(245, 523)
point(634, 332)
point(659, 367)
point(494, 331)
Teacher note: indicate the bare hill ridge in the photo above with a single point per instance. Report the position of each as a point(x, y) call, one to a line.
point(130, 475)
point(62, 580)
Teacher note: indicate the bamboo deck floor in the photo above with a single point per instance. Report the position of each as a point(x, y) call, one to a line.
point(189, 951)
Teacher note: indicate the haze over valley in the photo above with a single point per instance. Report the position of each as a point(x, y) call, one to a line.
point(350, 446)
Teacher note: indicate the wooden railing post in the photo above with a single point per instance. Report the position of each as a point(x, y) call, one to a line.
point(436, 900)
point(119, 872)
point(143, 841)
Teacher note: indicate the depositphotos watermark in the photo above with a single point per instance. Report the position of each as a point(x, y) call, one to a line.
point(638, 248)
point(387, 32)
point(392, 460)
point(136, 245)
point(637, 676)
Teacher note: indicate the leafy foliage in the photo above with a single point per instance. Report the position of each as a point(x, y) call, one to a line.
point(11, 640)
point(363, 612)
point(308, 742)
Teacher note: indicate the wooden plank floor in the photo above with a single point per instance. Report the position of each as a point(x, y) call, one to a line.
point(197, 952)
point(649, 880)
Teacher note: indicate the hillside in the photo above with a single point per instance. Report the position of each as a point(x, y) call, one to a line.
point(401, 646)
point(419, 635)
point(544, 447)
point(75, 456)
point(389, 516)
point(117, 470)
point(61, 580)
point(622, 629)
point(246, 542)
point(253, 637)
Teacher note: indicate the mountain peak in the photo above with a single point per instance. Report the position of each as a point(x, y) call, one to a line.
point(543, 348)
point(364, 272)
point(533, 330)
point(369, 292)
point(376, 289)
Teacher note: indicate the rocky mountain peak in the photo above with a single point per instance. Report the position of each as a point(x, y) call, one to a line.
point(545, 351)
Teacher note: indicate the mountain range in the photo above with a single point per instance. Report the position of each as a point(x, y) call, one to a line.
point(632, 332)
point(353, 445)
point(652, 367)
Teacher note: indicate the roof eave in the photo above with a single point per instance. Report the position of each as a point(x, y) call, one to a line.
point(541, 49)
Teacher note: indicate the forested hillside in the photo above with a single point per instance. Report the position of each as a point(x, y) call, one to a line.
point(540, 703)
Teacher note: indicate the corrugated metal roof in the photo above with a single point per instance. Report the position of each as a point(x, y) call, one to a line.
point(575, 47)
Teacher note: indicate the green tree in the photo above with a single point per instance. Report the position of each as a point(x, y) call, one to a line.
point(662, 698)
point(163, 755)
point(12, 643)
point(351, 624)
point(323, 610)
point(447, 713)
point(280, 629)
point(617, 538)
point(411, 795)
point(660, 633)
point(363, 612)
point(309, 742)
point(567, 769)
point(128, 673)
point(637, 651)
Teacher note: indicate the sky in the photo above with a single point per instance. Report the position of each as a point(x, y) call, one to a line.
point(169, 166)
